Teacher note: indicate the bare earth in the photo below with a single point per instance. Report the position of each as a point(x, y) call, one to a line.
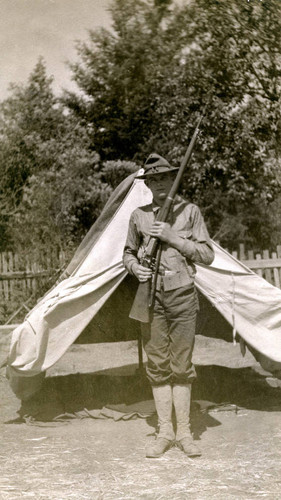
point(240, 435)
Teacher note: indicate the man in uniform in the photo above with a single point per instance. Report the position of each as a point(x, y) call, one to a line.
point(169, 339)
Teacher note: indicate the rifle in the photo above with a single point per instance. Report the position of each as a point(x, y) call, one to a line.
point(144, 299)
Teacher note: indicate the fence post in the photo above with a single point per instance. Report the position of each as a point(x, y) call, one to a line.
point(242, 251)
point(275, 272)
point(279, 256)
point(259, 271)
point(268, 277)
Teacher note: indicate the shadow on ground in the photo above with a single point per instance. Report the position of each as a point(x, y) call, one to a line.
point(215, 385)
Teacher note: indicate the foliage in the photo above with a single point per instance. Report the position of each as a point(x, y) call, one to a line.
point(145, 82)
point(50, 188)
point(114, 172)
point(61, 205)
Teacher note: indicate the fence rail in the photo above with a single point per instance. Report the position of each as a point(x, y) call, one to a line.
point(265, 265)
point(27, 272)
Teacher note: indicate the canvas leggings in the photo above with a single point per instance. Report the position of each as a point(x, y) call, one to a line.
point(169, 339)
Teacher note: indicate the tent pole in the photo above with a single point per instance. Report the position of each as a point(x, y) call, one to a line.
point(140, 351)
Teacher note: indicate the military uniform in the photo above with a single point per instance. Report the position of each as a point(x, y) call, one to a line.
point(169, 338)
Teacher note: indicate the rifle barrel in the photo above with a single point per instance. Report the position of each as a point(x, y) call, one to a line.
point(144, 298)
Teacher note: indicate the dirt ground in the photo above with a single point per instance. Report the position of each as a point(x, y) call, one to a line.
point(87, 458)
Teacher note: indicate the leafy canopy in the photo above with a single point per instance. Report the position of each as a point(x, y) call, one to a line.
point(52, 183)
point(144, 84)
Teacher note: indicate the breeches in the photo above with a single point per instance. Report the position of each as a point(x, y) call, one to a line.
point(169, 338)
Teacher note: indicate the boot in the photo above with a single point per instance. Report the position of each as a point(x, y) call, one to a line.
point(181, 400)
point(164, 403)
point(158, 448)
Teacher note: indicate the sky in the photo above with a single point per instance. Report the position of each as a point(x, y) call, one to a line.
point(33, 28)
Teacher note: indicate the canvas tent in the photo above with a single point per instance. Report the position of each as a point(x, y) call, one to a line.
point(249, 303)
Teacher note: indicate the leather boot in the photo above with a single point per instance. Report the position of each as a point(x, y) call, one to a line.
point(158, 448)
point(164, 403)
point(181, 400)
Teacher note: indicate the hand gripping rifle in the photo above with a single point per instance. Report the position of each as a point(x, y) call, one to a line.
point(144, 298)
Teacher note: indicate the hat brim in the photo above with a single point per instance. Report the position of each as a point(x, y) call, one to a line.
point(153, 174)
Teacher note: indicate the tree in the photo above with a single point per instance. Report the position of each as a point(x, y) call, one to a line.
point(238, 60)
point(60, 205)
point(118, 75)
point(51, 184)
point(145, 82)
point(22, 118)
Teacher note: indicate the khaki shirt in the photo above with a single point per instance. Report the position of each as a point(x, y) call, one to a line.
point(186, 219)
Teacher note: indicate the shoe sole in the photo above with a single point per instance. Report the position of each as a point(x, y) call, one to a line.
point(192, 455)
point(158, 456)
point(154, 456)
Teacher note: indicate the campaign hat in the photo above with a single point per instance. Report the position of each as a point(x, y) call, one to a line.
point(156, 164)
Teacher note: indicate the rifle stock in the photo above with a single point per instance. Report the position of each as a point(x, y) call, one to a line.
point(144, 298)
point(141, 308)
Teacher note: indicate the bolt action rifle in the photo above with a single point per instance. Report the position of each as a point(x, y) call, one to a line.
point(144, 299)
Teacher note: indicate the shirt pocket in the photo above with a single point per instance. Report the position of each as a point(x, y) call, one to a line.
point(174, 259)
point(178, 280)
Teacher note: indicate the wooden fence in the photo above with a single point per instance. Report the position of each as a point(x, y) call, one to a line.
point(28, 273)
point(265, 264)
point(24, 275)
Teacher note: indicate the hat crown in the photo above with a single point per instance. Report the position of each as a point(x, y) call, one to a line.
point(156, 164)
point(155, 160)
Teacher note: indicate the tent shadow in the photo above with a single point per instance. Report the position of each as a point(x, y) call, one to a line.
point(215, 386)
point(242, 387)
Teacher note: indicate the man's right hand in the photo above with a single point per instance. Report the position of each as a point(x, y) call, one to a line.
point(142, 273)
